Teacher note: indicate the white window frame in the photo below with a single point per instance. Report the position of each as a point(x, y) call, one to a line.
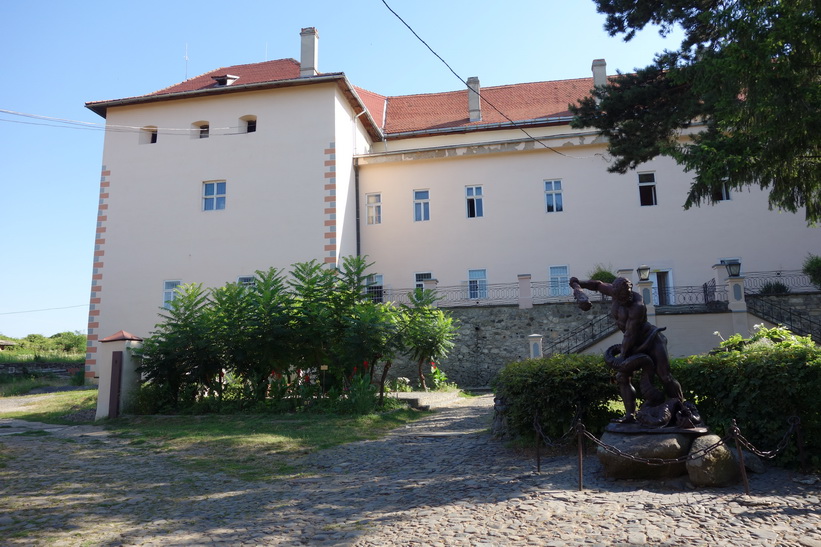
point(215, 198)
point(420, 278)
point(375, 287)
point(474, 202)
point(558, 280)
point(477, 284)
point(553, 198)
point(247, 280)
point(648, 184)
point(169, 292)
point(373, 205)
point(421, 205)
point(724, 194)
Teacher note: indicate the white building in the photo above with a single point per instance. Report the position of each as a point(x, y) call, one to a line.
point(268, 164)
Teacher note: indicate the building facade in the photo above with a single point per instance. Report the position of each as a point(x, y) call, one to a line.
point(268, 164)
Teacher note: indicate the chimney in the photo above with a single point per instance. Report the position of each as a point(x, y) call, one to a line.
point(599, 69)
point(474, 99)
point(308, 52)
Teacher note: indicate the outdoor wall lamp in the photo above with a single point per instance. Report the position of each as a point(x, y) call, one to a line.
point(644, 272)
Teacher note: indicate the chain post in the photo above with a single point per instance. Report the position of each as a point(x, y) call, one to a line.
point(795, 422)
point(741, 465)
point(580, 436)
point(538, 431)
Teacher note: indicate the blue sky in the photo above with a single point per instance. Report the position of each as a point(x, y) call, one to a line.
point(57, 55)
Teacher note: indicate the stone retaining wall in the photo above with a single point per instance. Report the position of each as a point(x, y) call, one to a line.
point(492, 336)
point(808, 304)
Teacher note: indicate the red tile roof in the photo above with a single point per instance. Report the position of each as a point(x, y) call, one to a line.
point(400, 114)
point(518, 102)
point(254, 73)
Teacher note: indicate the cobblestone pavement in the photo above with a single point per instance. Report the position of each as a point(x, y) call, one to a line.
point(440, 481)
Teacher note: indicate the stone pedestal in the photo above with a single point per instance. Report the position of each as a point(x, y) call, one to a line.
point(667, 446)
point(718, 467)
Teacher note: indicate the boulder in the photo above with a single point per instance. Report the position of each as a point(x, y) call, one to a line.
point(666, 446)
point(718, 467)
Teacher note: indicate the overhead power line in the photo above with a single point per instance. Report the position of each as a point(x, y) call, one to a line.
point(481, 97)
point(44, 309)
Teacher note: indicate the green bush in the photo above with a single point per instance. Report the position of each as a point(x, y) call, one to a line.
point(774, 287)
point(812, 267)
point(603, 273)
point(557, 390)
point(760, 382)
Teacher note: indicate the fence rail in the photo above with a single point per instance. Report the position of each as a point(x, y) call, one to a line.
point(707, 297)
point(777, 282)
point(796, 321)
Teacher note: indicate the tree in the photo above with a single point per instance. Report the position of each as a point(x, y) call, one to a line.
point(69, 342)
point(429, 332)
point(745, 84)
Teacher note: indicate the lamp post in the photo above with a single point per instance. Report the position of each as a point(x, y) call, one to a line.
point(644, 272)
point(646, 288)
point(733, 268)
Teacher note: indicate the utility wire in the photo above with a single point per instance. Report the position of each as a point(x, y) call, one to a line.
point(44, 309)
point(484, 99)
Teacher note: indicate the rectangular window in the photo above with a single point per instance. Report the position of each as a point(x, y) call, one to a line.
point(375, 288)
point(250, 126)
point(721, 194)
point(374, 205)
point(559, 281)
point(553, 196)
point(421, 205)
point(246, 280)
point(477, 284)
point(204, 130)
point(420, 279)
point(473, 194)
point(647, 189)
point(213, 195)
point(169, 292)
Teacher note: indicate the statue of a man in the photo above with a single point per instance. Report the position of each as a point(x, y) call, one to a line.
point(643, 345)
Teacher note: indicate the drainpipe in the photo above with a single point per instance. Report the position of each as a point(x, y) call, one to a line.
point(356, 192)
point(356, 189)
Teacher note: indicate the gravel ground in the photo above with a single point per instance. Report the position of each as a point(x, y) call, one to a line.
point(440, 481)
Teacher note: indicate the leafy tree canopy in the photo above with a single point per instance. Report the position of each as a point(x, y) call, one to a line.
point(746, 82)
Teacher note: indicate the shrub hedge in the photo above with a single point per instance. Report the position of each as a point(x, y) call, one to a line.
point(556, 389)
point(760, 382)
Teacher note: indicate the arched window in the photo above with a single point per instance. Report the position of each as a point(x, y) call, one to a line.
point(148, 134)
point(248, 124)
point(201, 130)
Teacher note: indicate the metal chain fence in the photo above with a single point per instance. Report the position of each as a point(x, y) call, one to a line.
point(581, 433)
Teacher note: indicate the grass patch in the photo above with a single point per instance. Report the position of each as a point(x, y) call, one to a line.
point(252, 447)
point(43, 357)
point(13, 385)
point(55, 408)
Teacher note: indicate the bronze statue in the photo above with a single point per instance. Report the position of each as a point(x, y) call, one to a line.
point(643, 347)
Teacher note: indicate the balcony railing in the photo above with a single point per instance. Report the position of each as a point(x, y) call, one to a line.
point(703, 298)
point(778, 281)
point(463, 295)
